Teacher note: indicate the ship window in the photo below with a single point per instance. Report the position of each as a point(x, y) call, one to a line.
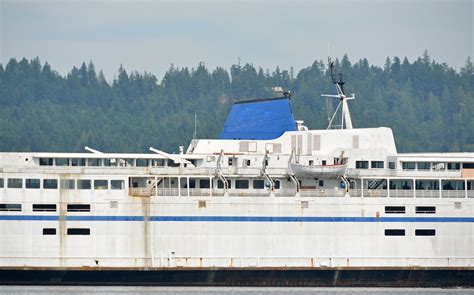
point(142, 162)
point(395, 209)
point(111, 162)
point(78, 208)
point(46, 161)
point(362, 164)
point(158, 163)
point(50, 183)
point(10, 207)
point(453, 185)
point(94, 162)
point(252, 146)
point(438, 166)
point(408, 165)
point(79, 231)
point(67, 183)
point(220, 184)
point(243, 146)
point(425, 209)
point(49, 231)
point(258, 184)
point(229, 162)
point(15, 183)
point(62, 162)
point(454, 166)
point(44, 207)
point(123, 162)
point(424, 165)
point(117, 184)
point(391, 165)
point(32, 183)
point(394, 232)
point(246, 163)
point(425, 232)
point(376, 164)
point(321, 183)
point(403, 184)
point(83, 184)
point(323, 162)
point(241, 184)
point(427, 184)
point(1, 182)
point(277, 184)
point(78, 162)
point(101, 184)
point(468, 165)
point(204, 183)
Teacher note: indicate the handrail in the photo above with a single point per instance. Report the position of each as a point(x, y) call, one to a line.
point(219, 172)
point(264, 172)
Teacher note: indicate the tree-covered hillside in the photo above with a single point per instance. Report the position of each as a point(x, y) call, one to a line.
point(429, 105)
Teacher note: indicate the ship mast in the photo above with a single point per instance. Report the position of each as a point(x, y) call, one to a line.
point(343, 98)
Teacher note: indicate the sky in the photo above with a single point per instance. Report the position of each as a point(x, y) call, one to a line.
point(152, 35)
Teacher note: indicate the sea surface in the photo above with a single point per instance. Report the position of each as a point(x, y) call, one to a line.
point(222, 291)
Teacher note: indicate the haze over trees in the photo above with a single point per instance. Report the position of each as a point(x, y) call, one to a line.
point(429, 105)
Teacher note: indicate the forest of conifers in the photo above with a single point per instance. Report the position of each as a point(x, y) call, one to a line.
point(429, 105)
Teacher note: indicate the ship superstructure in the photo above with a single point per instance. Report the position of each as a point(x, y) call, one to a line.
point(269, 193)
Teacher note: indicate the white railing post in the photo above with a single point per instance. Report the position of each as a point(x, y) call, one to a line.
point(465, 188)
point(210, 186)
point(187, 185)
point(414, 188)
point(179, 186)
point(440, 188)
point(388, 187)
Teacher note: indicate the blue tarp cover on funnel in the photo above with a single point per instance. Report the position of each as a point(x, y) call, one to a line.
point(259, 119)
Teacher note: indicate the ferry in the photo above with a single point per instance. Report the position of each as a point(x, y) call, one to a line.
point(268, 203)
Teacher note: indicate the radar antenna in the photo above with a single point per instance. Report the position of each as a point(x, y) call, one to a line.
point(343, 98)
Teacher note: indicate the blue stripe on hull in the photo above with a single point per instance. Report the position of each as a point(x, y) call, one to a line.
point(238, 218)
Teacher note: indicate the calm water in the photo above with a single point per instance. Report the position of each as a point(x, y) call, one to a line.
point(219, 290)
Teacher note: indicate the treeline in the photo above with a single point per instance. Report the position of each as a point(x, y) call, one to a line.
point(429, 105)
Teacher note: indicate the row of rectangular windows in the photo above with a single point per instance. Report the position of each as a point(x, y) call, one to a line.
point(435, 166)
point(422, 166)
point(239, 183)
point(95, 162)
point(418, 232)
point(388, 232)
point(47, 207)
point(426, 184)
point(70, 231)
point(418, 209)
point(35, 183)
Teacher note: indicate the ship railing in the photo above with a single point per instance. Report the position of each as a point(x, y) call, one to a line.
point(427, 193)
point(306, 193)
point(321, 193)
point(453, 193)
